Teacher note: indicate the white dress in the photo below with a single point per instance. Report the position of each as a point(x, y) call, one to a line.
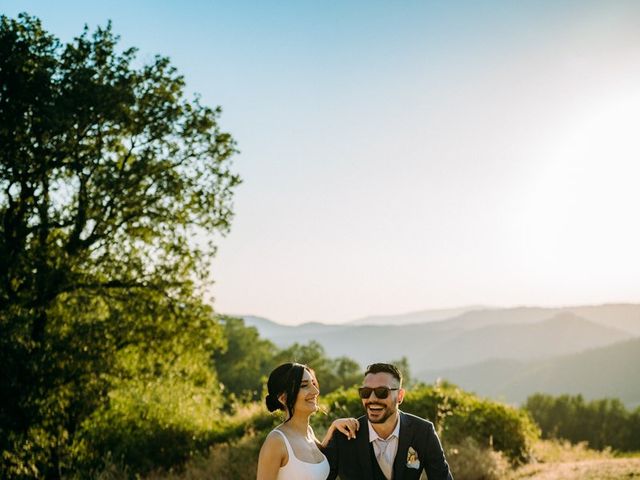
point(298, 470)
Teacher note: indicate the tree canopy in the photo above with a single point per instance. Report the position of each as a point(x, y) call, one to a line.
point(332, 373)
point(112, 186)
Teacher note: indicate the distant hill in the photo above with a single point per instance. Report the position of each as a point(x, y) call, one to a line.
point(563, 333)
point(410, 318)
point(621, 316)
point(450, 343)
point(609, 371)
point(624, 317)
point(506, 353)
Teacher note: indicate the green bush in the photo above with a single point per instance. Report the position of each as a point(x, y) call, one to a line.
point(601, 423)
point(480, 437)
point(504, 428)
point(456, 415)
point(134, 438)
point(234, 460)
point(157, 423)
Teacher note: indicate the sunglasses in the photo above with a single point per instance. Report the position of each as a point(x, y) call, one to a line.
point(381, 392)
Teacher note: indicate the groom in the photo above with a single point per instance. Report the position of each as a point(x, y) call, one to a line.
point(389, 444)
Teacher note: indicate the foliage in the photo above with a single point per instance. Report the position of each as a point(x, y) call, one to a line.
point(456, 415)
point(555, 451)
point(152, 420)
point(245, 361)
point(111, 182)
point(469, 460)
point(403, 365)
point(235, 457)
point(231, 453)
point(235, 460)
point(332, 373)
point(601, 423)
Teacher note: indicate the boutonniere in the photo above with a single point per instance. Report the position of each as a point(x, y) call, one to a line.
point(412, 459)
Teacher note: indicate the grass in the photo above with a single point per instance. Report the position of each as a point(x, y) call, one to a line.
point(556, 451)
point(556, 460)
point(553, 460)
point(226, 461)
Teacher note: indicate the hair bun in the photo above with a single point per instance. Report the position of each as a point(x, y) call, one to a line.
point(273, 403)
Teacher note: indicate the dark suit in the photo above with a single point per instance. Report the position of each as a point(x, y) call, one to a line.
point(355, 460)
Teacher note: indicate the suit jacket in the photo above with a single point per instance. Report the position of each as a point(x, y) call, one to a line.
point(354, 459)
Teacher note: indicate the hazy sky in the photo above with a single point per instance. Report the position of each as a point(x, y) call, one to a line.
point(404, 155)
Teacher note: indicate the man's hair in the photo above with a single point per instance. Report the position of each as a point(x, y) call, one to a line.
point(385, 368)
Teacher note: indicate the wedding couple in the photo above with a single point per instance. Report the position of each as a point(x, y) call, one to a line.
point(383, 444)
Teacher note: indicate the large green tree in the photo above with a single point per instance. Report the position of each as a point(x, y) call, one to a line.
point(112, 183)
point(332, 373)
point(245, 361)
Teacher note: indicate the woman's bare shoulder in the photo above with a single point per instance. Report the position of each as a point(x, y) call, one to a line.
point(274, 444)
point(273, 456)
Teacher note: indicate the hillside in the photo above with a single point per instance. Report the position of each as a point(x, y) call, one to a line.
point(562, 334)
point(449, 343)
point(625, 317)
point(603, 372)
point(412, 318)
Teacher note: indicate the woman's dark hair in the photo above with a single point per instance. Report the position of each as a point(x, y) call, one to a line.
point(285, 379)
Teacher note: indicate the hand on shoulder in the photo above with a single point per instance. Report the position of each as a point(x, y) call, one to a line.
point(348, 426)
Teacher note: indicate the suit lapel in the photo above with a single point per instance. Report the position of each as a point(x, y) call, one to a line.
point(364, 452)
point(406, 434)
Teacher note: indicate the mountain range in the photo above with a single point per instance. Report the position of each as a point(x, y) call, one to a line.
point(596, 373)
point(488, 350)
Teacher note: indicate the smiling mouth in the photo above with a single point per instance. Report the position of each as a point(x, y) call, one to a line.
point(375, 408)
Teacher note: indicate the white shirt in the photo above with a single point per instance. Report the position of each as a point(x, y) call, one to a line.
point(391, 441)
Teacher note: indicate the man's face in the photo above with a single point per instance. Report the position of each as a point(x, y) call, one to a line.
point(380, 409)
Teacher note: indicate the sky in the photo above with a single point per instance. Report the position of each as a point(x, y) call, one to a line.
point(401, 156)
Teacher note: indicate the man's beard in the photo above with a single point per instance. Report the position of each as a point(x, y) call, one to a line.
point(386, 413)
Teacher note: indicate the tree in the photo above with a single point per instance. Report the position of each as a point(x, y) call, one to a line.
point(602, 423)
point(403, 366)
point(246, 360)
point(332, 373)
point(111, 186)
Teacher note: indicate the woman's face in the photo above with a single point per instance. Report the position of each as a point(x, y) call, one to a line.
point(307, 400)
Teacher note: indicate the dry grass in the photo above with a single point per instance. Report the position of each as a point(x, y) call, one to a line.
point(226, 461)
point(556, 460)
point(469, 461)
point(554, 451)
point(608, 469)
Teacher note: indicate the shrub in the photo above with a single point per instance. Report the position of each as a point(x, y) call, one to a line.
point(144, 432)
point(558, 451)
point(479, 436)
point(504, 428)
point(601, 423)
point(234, 460)
point(469, 460)
point(456, 415)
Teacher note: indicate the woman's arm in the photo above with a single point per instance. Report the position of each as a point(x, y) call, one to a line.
point(273, 455)
point(348, 426)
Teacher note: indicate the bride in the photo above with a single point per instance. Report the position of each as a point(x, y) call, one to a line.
point(291, 451)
